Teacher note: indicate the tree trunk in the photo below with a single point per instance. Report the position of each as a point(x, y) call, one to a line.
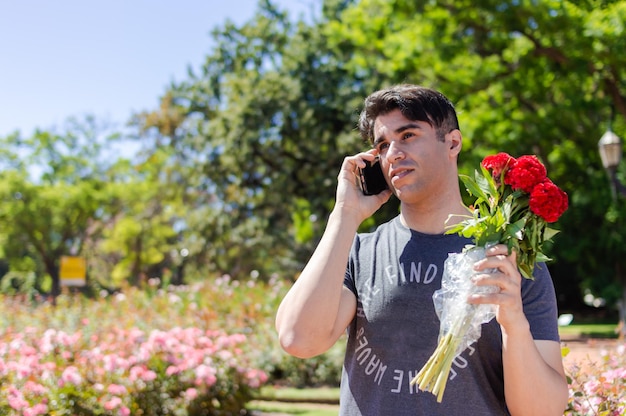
point(621, 276)
point(53, 270)
point(135, 272)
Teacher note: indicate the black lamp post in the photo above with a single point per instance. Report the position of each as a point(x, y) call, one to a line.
point(610, 147)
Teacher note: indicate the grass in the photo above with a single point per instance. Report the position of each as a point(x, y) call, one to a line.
point(301, 409)
point(589, 330)
point(312, 395)
point(320, 401)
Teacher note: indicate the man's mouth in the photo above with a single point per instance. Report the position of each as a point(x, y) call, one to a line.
point(399, 173)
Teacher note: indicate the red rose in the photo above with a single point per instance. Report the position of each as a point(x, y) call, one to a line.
point(525, 173)
point(498, 163)
point(548, 201)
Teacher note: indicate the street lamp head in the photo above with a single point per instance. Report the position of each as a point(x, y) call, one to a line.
point(610, 147)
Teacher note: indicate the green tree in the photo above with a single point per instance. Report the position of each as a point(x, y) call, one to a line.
point(70, 193)
point(142, 234)
point(264, 128)
point(52, 188)
point(261, 130)
point(527, 77)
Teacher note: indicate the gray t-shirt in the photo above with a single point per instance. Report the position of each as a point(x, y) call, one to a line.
point(393, 272)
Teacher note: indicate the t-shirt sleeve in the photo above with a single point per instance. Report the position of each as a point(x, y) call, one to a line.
point(348, 280)
point(540, 305)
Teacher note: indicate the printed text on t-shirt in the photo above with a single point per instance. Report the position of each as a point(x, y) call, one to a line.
point(417, 273)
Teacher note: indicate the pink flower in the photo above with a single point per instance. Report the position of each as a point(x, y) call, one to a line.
point(149, 375)
point(204, 370)
point(71, 375)
point(48, 370)
point(36, 410)
point(592, 387)
point(16, 399)
point(191, 393)
point(117, 389)
point(205, 375)
point(22, 369)
point(34, 388)
point(141, 372)
point(113, 403)
point(255, 378)
point(113, 362)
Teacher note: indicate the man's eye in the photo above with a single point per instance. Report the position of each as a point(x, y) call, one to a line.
point(382, 146)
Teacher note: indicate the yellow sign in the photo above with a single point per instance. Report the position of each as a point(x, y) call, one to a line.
point(73, 271)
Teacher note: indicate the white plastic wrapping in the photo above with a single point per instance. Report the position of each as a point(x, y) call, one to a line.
point(451, 300)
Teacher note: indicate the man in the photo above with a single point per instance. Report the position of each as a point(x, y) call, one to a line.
point(384, 295)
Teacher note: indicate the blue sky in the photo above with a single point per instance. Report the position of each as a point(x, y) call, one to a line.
point(68, 58)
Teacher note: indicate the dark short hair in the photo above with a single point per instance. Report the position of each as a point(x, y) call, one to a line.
point(415, 102)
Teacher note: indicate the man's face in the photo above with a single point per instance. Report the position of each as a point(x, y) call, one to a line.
point(414, 160)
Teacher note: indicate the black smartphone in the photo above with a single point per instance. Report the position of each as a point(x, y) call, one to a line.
point(372, 179)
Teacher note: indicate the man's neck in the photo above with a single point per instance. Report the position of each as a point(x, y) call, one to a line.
point(433, 219)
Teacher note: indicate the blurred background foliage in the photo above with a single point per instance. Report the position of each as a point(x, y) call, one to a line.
point(236, 165)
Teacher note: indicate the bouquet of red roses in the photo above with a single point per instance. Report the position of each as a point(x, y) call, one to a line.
point(515, 202)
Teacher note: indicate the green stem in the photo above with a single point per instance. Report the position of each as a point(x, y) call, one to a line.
point(433, 376)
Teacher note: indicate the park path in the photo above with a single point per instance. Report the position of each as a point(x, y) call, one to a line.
point(584, 351)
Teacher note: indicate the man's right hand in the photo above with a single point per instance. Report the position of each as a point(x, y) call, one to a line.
point(350, 197)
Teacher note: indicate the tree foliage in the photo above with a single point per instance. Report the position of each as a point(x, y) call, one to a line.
point(265, 124)
point(272, 113)
point(70, 193)
point(239, 161)
point(534, 77)
point(53, 192)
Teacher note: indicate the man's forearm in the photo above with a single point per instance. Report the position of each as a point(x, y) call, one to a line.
point(532, 385)
point(307, 319)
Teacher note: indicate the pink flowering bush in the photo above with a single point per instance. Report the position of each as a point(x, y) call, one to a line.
point(183, 351)
point(200, 349)
point(599, 388)
point(122, 371)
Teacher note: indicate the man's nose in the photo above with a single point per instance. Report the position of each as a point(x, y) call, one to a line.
point(394, 152)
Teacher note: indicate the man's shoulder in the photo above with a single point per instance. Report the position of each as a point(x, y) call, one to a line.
point(386, 227)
